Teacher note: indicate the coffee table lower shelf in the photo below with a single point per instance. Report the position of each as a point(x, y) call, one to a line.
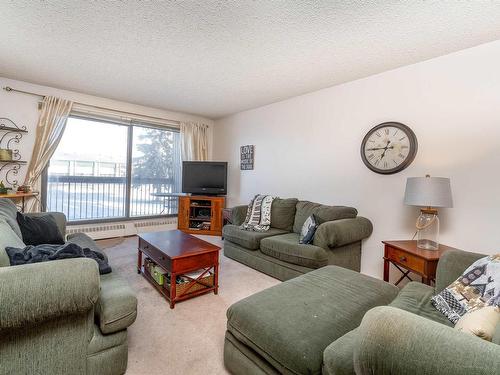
point(167, 293)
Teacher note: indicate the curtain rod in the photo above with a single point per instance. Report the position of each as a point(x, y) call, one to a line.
point(10, 89)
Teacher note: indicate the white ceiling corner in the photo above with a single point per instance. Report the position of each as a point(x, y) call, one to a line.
point(215, 58)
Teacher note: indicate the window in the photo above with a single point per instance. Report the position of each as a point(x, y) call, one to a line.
point(105, 170)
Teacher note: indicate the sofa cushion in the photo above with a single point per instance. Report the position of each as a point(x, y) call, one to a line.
point(8, 211)
point(286, 247)
point(117, 305)
point(264, 263)
point(416, 298)
point(481, 322)
point(324, 213)
point(292, 323)
point(283, 213)
point(8, 238)
point(250, 240)
point(39, 230)
point(477, 287)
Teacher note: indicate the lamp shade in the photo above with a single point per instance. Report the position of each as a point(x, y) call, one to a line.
point(428, 192)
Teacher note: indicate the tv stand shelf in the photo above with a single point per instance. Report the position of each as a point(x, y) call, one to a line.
point(201, 214)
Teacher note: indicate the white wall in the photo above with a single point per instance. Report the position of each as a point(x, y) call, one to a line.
point(23, 110)
point(308, 147)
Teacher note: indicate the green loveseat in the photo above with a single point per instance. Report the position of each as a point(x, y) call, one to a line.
point(62, 317)
point(277, 252)
point(334, 321)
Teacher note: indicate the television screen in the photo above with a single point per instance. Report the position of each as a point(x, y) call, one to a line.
point(204, 177)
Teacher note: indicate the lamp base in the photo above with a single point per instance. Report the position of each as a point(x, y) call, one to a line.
point(427, 244)
point(428, 229)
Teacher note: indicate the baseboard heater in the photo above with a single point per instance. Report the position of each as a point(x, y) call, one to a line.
point(121, 229)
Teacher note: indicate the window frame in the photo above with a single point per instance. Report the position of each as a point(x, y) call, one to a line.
point(130, 124)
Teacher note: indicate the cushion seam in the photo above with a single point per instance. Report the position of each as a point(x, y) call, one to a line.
point(250, 359)
point(287, 266)
point(257, 346)
point(120, 318)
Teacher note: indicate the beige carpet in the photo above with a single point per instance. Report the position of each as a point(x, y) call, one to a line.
point(188, 339)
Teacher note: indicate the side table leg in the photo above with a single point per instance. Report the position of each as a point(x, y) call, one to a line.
point(139, 261)
point(216, 279)
point(173, 291)
point(386, 270)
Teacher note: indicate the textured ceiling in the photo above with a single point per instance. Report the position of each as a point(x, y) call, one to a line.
point(215, 58)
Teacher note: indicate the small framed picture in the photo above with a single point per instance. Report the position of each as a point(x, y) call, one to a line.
point(246, 157)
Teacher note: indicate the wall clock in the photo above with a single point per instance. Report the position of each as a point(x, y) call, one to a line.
point(389, 148)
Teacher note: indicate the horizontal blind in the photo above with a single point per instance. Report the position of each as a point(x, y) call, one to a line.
point(122, 118)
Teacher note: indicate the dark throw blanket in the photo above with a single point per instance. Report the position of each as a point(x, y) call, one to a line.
point(45, 253)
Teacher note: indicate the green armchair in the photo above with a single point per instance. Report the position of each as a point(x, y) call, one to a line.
point(62, 317)
point(394, 341)
point(391, 340)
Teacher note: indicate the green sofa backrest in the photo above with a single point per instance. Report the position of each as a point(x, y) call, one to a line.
point(304, 209)
point(7, 238)
point(283, 213)
point(8, 211)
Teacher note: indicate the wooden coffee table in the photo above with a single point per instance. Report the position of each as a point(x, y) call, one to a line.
point(179, 253)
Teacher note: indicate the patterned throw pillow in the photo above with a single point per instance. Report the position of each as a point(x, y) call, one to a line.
point(308, 230)
point(479, 286)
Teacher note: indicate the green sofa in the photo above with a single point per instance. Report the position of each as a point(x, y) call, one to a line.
point(335, 321)
point(277, 252)
point(62, 317)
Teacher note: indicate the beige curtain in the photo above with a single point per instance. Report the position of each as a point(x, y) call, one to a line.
point(49, 130)
point(194, 141)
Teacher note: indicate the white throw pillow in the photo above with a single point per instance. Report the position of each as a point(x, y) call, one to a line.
point(8, 238)
point(481, 322)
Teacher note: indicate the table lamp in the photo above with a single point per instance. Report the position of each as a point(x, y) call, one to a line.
point(429, 193)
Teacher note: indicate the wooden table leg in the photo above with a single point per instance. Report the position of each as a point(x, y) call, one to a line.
point(139, 261)
point(173, 291)
point(386, 270)
point(216, 279)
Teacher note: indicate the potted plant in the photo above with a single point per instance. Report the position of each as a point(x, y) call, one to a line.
point(3, 189)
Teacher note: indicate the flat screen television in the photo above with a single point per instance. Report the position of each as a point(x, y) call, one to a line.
point(204, 177)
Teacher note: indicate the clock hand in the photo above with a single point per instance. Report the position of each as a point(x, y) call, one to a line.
point(379, 148)
point(385, 150)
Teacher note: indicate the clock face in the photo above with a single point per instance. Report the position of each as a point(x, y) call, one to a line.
point(389, 148)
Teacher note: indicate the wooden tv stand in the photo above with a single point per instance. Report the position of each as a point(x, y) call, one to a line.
point(201, 214)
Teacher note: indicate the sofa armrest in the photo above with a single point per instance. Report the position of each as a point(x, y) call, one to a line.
point(451, 265)
point(59, 217)
point(238, 214)
point(37, 292)
point(342, 232)
point(394, 341)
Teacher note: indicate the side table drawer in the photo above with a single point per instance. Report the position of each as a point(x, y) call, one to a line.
point(407, 260)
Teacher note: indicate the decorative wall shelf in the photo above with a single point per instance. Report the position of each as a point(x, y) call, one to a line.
point(11, 134)
point(14, 161)
point(8, 128)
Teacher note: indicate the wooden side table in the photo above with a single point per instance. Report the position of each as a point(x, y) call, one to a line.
point(407, 257)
